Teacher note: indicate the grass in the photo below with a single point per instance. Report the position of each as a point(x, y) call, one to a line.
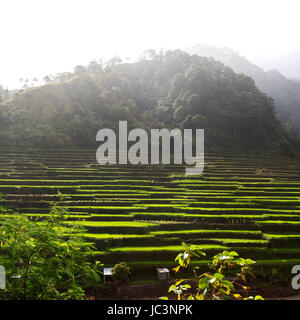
point(225, 241)
point(154, 207)
point(280, 236)
point(112, 224)
point(278, 222)
point(164, 248)
point(114, 236)
point(204, 231)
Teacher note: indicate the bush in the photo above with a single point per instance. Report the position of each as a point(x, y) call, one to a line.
point(228, 270)
point(41, 261)
point(121, 272)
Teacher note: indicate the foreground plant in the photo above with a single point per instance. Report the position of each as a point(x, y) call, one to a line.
point(228, 271)
point(41, 260)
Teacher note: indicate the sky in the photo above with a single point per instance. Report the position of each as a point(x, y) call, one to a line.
point(52, 36)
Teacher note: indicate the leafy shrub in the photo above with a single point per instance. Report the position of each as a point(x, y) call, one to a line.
point(121, 272)
point(42, 261)
point(228, 270)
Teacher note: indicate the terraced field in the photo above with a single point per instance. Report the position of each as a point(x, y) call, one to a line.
point(141, 214)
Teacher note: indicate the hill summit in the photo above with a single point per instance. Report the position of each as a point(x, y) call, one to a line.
point(170, 90)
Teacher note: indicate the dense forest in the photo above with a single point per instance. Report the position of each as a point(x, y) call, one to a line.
point(172, 89)
point(285, 92)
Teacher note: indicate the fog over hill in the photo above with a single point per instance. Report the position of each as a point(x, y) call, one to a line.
point(284, 91)
point(287, 63)
point(168, 90)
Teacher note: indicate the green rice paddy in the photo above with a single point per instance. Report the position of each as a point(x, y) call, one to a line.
point(141, 214)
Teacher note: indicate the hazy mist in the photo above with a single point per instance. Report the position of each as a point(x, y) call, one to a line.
point(43, 37)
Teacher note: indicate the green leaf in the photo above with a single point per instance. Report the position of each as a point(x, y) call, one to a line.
point(250, 261)
point(186, 246)
point(176, 269)
point(198, 253)
point(202, 283)
point(218, 276)
point(172, 288)
point(178, 282)
point(227, 284)
point(186, 286)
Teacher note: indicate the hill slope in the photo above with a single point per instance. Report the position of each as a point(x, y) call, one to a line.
point(170, 90)
point(285, 92)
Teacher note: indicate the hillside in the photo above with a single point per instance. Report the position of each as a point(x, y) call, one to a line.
point(285, 92)
point(171, 90)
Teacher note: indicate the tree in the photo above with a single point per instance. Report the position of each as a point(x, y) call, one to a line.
point(153, 93)
point(47, 79)
point(180, 113)
point(45, 260)
point(94, 67)
point(79, 69)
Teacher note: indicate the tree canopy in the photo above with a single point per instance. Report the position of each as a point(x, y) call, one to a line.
point(285, 92)
point(172, 89)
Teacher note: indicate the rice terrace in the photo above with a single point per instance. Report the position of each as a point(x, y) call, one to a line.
point(141, 213)
point(141, 158)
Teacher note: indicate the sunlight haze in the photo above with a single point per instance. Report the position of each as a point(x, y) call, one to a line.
point(48, 37)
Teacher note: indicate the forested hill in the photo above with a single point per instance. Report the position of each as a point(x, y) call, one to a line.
point(285, 92)
point(169, 90)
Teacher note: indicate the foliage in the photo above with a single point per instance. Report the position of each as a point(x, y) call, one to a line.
point(121, 271)
point(218, 284)
point(285, 92)
point(274, 276)
point(41, 261)
point(168, 90)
